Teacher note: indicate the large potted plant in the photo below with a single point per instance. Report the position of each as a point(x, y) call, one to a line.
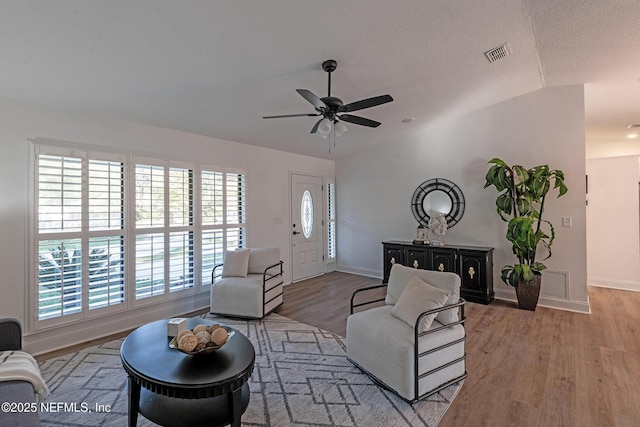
point(520, 202)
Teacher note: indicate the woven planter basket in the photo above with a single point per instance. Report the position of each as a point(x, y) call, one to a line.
point(528, 293)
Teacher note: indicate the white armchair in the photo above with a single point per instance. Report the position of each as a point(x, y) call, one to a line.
point(423, 307)
point(248, 284)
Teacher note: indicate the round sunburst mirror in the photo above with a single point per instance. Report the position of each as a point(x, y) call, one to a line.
point(437, 195)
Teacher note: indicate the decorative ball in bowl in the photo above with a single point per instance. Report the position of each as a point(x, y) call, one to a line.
point(203, 339)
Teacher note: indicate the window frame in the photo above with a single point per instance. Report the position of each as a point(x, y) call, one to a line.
point(330, 221)
point(129, 230)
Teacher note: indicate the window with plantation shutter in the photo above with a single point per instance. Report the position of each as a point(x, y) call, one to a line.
point(59, 194)
point(331, 221)
point(114, 231)
point(165, 254)
point(223, 217)
point(181, 229)
point(106, 230)
point(72, 191)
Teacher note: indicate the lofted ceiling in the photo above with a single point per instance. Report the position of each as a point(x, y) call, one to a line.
point(215, 67)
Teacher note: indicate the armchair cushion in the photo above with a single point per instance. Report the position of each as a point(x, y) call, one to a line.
point(416, 298)
point(448, 282)
point(261, 258)
point(236, 263)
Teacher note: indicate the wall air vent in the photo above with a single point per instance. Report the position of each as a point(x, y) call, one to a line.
point(497, 53)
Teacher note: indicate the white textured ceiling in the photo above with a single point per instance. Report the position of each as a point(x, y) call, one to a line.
point(215, 67)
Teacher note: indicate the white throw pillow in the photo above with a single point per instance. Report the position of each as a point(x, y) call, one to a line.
point(261, 258)
point(236, 263)
point(418, 297)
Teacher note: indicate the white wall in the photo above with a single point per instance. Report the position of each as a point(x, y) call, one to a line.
point(267, 208)
point(374, 187)
point(613, 216)
point(612, 148)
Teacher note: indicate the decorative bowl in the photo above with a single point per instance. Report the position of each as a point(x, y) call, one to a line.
point(174, 345)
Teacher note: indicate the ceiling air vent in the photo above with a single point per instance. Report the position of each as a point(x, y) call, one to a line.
point(497, 53)
point(633, 126)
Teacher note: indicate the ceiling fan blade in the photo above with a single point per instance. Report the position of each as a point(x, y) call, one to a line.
point(291, 115)
point(359, 120)
point(315, 127)
point(365, 103)
point(313, 99)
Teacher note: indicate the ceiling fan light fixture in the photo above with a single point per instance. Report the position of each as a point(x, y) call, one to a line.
point(325, 127)
point(340, 129)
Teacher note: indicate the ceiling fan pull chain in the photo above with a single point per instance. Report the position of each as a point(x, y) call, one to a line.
point(333, 128)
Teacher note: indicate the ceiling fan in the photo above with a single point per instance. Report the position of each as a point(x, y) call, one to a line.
point(333, 110)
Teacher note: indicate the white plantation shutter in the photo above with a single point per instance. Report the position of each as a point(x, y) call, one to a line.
point(72, 260)
point(96, 212)
point(149, 265)
point(59, 194)
point(106, 195)
point(235, 189)
point(212, 252)
point(180, 260)
point(236, 210)
point(59, 278)
point(105, 252)
point(180, 197)
point(223, 216)
point(181, 229)
point(212, 198)
point(59, 223)
point(150, 197)
point(331, 221)
point(106, 271)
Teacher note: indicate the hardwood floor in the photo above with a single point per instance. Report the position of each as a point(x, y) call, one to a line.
point(543, 368)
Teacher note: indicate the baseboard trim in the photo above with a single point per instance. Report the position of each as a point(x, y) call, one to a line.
point(360, 271)
point(624, 285)
point(72, 334)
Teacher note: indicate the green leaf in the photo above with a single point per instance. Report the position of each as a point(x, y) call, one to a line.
point(506, 272)
point(497, 161)
point(538, 267)
point(504, 203)
point(527, 274)
point(521, 173)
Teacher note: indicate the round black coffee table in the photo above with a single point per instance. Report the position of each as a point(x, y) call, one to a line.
point(171, 388)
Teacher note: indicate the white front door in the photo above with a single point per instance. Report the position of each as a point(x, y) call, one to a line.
point(307, 231)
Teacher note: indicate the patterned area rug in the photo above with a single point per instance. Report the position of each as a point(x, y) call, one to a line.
point(301, 377)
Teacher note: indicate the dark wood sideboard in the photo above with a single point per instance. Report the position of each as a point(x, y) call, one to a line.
point(474, 265)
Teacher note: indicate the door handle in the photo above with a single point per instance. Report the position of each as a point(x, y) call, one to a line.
point(296, 232)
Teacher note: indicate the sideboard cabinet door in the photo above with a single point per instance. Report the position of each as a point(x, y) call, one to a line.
point(416, 258)
point(476, 274)
point(392, 254)
point(441, 259)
